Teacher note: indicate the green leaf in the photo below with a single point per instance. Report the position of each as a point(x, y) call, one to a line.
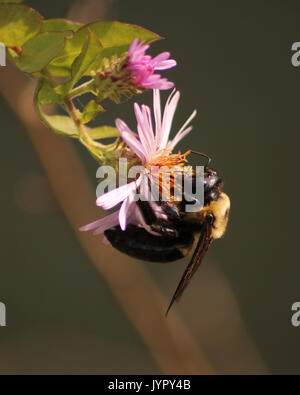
point(115, 38)
point(103, 132)
point(63, 124)
point(90, 111)
point(40, 50)
point(47, 94)
point(90, 51)
point(18, 23)
point(114, 34)
point(59, 25)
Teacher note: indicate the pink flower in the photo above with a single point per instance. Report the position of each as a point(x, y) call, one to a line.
point(142, 67)
point(153, 148)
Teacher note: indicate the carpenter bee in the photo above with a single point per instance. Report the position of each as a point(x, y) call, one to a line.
point(181, 233)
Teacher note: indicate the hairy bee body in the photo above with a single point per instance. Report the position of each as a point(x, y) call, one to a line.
point(179, 235)
point(139, 243)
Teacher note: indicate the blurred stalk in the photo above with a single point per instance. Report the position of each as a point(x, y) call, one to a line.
point(168, 340)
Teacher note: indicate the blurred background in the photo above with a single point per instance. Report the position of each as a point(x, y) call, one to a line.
point(234, 67)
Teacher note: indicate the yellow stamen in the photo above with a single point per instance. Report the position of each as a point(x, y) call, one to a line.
point(169, 163)
point(163, 159)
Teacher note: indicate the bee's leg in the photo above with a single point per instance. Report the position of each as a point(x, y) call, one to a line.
point(171, 211)
point(158, 225)
point(165, 228)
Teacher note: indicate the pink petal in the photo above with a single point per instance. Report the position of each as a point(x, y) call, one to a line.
point(123, 213)
point(179, 137)
point(163, 85)
point(160, 57)
point(133, 46)
point(141, 67)
point(129, 137)
point(138, 53)
point(101, 224)
point(155, 81)
point(137, 48)
point(192, 116)
point(162, 61)
point(170, 108)
point(148, 124)
point(157, 114)
point(91, 225)
point(116, 196)
point(151, 79)
point(183, 132)
point(166, 64)
point(142, 130)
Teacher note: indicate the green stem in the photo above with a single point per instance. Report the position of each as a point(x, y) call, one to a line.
point(49, 77)
point(81, 89)
point(84, 137)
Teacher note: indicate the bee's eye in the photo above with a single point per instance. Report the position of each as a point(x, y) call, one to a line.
point(210, 182)
point(213, 195)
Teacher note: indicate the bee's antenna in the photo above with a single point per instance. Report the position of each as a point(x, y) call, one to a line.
point(208, 158)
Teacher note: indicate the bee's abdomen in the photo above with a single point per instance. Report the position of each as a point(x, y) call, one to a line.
point(139, 243)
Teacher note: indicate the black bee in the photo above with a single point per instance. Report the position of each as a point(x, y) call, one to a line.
point(181, 233)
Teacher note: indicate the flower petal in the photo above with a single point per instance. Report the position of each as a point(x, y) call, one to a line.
point(162, 61)
point(133, 46)
point(183, 132)
point(101, 224)
point(149, 128)
point(157, 115)
point(124, 211)
point(170, 108)
point(141, 67)
point(129, 137)
point(142, 130)
point(179, 137)
point(166, 64)
point(163, 84)
point(192, 116)
point(112, 198)
point(160, 58)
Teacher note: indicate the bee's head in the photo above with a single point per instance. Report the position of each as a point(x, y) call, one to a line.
point(212, 182)
point(212, 185)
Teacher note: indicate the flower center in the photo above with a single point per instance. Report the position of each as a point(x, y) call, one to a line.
point(162, 158)
point(164, 169)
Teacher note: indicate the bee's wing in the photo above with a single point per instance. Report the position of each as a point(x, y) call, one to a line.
point(201, 249)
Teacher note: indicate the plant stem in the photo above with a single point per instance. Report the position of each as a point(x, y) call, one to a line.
point(81, 89)
point(86, 140)
point(92, 145)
